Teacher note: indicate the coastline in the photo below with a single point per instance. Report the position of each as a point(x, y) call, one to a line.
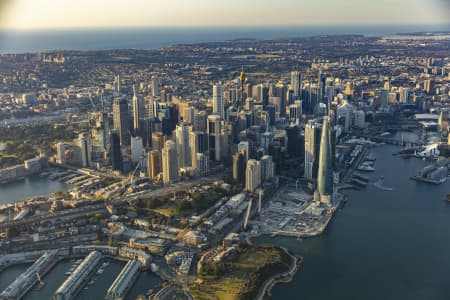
point(285, 277)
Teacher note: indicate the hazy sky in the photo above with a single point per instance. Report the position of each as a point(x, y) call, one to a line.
point(38, 14)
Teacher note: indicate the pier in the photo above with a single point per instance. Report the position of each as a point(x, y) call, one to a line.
point(31, 276)
point(124, 281)
point(73, 284)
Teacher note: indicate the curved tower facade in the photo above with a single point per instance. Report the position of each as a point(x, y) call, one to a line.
point(325, 174)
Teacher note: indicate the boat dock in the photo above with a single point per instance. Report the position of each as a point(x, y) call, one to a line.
point(124, 281)
point(73, 284)
point(31, 276)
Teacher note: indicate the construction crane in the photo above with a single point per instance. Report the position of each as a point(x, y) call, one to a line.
point(247, 214)
point(138, 165)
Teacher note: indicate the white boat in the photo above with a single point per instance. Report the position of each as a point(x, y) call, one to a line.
point(366, 168)
point(100, 271)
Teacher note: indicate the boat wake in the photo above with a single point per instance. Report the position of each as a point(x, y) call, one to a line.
point(380, 185)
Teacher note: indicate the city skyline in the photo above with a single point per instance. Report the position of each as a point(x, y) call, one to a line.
point(45, 14)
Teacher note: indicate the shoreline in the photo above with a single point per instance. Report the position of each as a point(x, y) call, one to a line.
point(285, 277)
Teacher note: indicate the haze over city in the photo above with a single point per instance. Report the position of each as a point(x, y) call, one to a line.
point(52, 14)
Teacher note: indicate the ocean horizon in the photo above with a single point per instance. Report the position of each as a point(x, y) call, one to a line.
point(24, 41)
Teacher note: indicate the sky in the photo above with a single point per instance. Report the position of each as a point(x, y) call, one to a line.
point(55, 14)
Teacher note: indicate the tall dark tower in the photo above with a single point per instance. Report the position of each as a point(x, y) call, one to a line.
point(122, 120)
point(115, 152)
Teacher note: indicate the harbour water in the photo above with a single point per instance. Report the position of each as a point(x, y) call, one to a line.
point(384, 244)
point(29, 187)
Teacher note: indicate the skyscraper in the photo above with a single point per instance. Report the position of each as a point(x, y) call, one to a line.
point(116, 153)
point(169, 162)
point(155, 86)
point(296, 84)
point(214, 134)
point(218, 105)
point(154, 163)
point(198, 143)
point(121, 120)
point(239, 166)
point(138, 111)
point(252, 175)
point(312, 146)
point(85, 150)
point(183, 147)
point(60, 153)
point(325, 174)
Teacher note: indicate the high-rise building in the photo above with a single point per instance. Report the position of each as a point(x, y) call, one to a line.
point(239, 166)
point(296, 84)
point(85, 150)
point(183, 147)
point(154, 163)
point(295, 111)
point(267, 168)
point(155, 83)
point(325, 174)
point(218, 104)
point(244, 146)
point(138, 111)
point(252, 175)
point(312, 146)
point(121, 120)
point(199, 123)
point(137, 149)
point(157, 140)
point(60, 153)
point(169, 162)
point(429, 86)
point(198, 143)
point(214, 137)
point(202, 164)
point(115, 152)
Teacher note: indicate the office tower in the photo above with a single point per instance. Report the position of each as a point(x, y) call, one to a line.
point(441, 120)
point(360, 119)
point(169, 162)
point(265, 95)
point(429, 86)
point(214, 135)
point(146, 130)
point(252, 175)
point(137, 149)
point(384, 98)
point(151, 107)
point(202, 164)
point(154, 163)
point(271, 111)
point(116, 153)
point(267, 168)
point(218, 105)
point(294, 148)
point(295, 112)
point(312, 146)
point(239, 165)
point(199, 123)
point(198, 143)
point(155, 83)
point(188, 115)
point(182, 143)
point(266, 139)
point(244, 146)
point(85, 150)
point(121, 120)
point(60, 153)
point(404, 94)
point(322, 79)
point(117, 83)
point(325, 174)
point(344, 115)
point(157, 140)
point(296, 84)
point(138, 111)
